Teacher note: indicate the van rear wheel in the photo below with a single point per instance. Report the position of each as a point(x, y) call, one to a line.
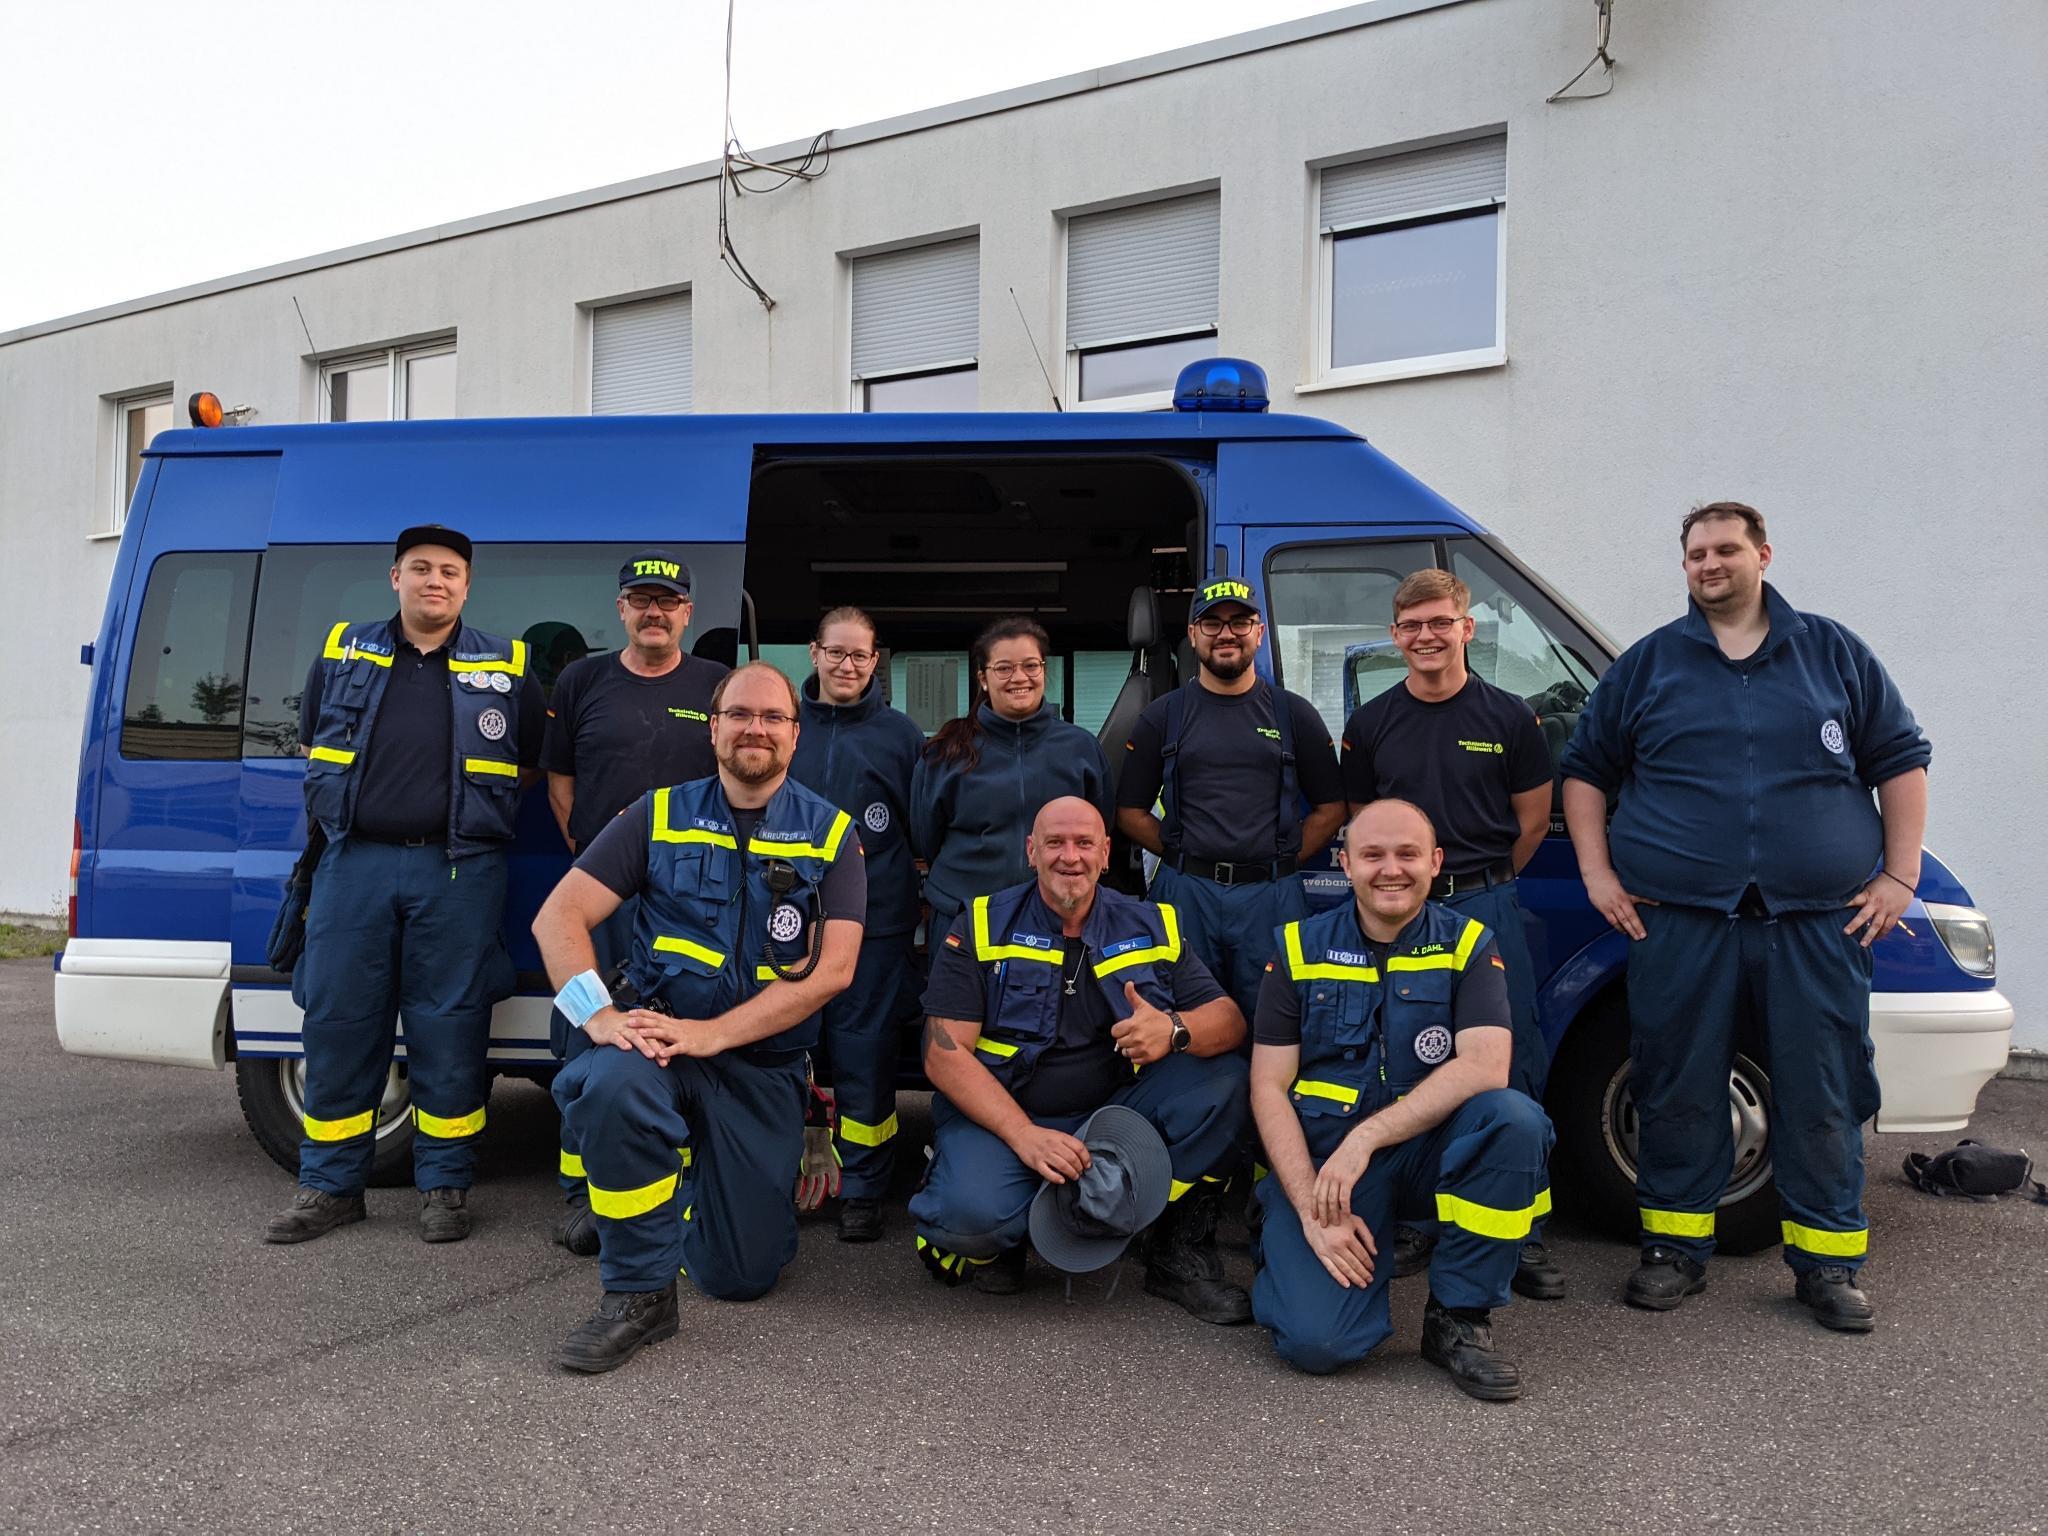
point(273, 1095)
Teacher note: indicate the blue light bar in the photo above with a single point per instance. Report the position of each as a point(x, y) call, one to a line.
point(1221, 384)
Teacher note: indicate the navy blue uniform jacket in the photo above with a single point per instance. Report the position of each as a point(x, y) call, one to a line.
point(860, 756)
point(1754, 771)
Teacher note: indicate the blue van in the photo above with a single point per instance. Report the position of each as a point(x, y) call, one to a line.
point(245, 545)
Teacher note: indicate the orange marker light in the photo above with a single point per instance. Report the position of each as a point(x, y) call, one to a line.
point(204, 409)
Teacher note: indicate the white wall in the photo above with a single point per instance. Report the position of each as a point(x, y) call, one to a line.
point(1796, 258)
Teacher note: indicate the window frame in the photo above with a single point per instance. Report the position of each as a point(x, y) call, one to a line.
point(113, 518)
point(394, 357)
point(1149, 400)
point(859, 404)
point(1323, 375)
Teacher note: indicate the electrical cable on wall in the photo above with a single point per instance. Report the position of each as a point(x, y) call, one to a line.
point(1600, 56)
point(736, 161)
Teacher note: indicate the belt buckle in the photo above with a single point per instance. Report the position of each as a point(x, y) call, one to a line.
point(1223, 874)
point(1450, 885)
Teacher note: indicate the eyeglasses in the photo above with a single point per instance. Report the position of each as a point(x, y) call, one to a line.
point(667, 602)
point(1003, 671)
point(839, 655)
point(1240, 626)
point(1408, 629)
point(742, 719)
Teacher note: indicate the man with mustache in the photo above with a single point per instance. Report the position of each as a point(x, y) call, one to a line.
point(621, 724)
point(749, 897)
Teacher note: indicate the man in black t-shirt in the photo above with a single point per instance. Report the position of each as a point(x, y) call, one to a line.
point(1473, 757)
point(1246, 775)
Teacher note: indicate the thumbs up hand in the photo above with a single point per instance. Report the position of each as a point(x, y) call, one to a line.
point(1146, 1035)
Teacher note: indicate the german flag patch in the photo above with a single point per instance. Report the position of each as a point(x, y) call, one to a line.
point(1498, 963)
point(952, 941)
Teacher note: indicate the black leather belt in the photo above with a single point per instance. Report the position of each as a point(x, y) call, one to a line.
point(435, 840)
point(1236, 874)
point(1472, 880)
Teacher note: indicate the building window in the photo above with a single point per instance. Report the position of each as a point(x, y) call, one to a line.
point(412, 383)
point(1141, 298)
point(137, 420)
point(641, 357)
point(917, 328)
point(1410, 263)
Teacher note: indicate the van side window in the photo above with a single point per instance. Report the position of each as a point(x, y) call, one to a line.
point(1525, 643)
point(1330, 605)
point(189, 669)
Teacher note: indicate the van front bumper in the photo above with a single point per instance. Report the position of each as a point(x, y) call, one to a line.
point(1935, 1051)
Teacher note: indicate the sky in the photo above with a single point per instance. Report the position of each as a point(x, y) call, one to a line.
point(147, 146)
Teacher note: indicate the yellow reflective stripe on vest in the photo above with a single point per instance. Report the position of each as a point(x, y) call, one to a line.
point(334, 650)
point(986, 950)
point(1169, 951)
point(515, 666)
point(1306, 1087)
point(994, 1047)
point(662, 832)
point(625, 1204)
point(827, 850)
point(446, 1129)
point(1454, 960)
point(490, 765)
point(340, 1130)
point(768, 973)
point(861, 1134)
point(330, 755)
point(686, 1155)
point(1677, 1223)
point(1826, 1245)
point(663, 944)
point(1299, 968)
point(571, 1166)
point(1489, 1220)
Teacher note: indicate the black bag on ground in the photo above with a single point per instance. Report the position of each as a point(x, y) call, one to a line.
point(288, 933)
point(1974, 1171)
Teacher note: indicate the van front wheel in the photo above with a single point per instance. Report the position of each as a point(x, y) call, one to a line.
point(273, 1102)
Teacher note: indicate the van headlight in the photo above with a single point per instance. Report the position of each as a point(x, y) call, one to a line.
point(1966, 934)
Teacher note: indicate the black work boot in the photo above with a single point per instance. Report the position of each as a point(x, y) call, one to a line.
point(612, 1335)
point(577, 1230)
point(1663, 1279)
point(1462, 1343)
point(443, 1215)
point(313, 1213)
point(1831, 1291)
point(1412, 1248)
point(1183, 1266)
point(1537, 1275)
point(1002, 1275)
point(860, 1221)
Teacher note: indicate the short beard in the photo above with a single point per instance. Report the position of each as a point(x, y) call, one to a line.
point(1065, 903)
point(1228, 672)
point(749, 775)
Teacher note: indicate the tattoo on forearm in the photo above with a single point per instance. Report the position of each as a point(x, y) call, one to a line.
point(940, 1038)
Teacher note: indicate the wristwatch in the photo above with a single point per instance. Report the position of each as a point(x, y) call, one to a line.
point(1181, 1038)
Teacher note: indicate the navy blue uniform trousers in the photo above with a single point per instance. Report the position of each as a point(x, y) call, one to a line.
point(1485, 1168)
point(612, 940)
point(976, 1199)
point(399, 933)
point(1230, 927)
point(1694, 982)
point(861, 1028)
point(726, 1220)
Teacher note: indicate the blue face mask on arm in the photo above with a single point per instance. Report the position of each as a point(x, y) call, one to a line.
point(581, 997)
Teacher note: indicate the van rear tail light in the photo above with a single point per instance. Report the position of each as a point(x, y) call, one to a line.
point(77, 854)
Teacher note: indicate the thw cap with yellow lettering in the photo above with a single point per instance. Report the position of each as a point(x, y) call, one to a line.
point(655, 568)
point(1226, 589)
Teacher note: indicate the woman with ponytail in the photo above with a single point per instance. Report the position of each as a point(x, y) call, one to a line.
point(984, 776)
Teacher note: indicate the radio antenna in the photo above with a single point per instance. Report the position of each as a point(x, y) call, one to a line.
point(325, 388)
point(1043, 373)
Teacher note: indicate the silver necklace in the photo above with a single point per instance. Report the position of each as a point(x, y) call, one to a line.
point(1080, 963)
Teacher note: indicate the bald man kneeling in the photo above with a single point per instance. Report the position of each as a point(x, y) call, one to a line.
point(1048, 1001)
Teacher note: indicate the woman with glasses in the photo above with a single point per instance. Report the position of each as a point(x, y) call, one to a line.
point(984, 776)
point(858, 753)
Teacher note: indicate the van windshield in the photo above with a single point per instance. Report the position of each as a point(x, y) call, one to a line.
point(561, 599)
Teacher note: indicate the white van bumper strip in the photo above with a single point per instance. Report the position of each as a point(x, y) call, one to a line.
point(155, 1000)
point(1935, 1050)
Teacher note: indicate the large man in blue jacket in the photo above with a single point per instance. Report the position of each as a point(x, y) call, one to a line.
point(1749, 864)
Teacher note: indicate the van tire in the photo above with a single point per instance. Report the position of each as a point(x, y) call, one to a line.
point(269, 1091)
point(1593, 1170)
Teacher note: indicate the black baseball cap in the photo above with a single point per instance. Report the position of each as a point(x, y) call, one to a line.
point(655, 568)
point(431, 533)
point(1225, 589)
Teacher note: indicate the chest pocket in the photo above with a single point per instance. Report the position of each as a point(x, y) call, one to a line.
point(786, 926)
point(1024, 1012)
point(346, 690)
point(1336, 1016)
point(707, 882)
point(1420, 1035)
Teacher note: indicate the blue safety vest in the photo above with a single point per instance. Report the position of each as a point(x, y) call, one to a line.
point(484, 678)
point(1018, 944)
point(711, 931)
point(1367, 1039)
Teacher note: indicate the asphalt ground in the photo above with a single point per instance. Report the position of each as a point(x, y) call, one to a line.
point(162, 1369)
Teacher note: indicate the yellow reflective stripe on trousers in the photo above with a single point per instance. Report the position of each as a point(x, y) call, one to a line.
point(665, 944)
point(994, 1047)
point(1175, 1188)
point(1489, 1220)
point(1453, 960)
point(1826, 1245)
point(340, 1130)
point(1305, 1087)
point(448, 1129)
point(984, 949)
point(490, 765)
point(1169, 951)
point(861, 1134)
point(625, 1204)
point(1677, 1223)
point(1299, 968)
point(330, 755)
point(662, 832)
point(571, 1166)
point(827, 850)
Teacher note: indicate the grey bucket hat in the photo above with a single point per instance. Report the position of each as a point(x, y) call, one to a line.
point(1085, 1223)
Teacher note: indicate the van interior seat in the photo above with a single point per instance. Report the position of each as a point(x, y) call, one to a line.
point(1141, 632)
